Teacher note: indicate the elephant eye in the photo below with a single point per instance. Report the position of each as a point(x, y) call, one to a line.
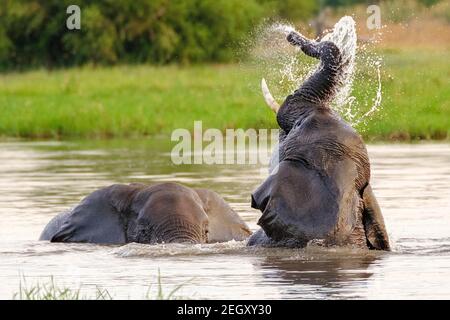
point(298, 123)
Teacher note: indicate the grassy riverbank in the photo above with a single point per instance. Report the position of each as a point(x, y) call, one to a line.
point(130, 101)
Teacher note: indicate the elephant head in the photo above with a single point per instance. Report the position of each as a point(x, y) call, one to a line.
point(166, 212)
point(174, 213)
point(169, 213)
point(320, 187)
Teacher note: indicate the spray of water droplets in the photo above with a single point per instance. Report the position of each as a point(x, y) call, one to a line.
point(286, 69)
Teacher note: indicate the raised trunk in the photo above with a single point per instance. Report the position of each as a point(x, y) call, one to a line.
point(320, 88)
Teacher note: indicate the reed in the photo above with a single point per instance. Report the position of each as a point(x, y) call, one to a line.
point(51, 290)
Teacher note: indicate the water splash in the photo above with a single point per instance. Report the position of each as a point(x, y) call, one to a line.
point(282, 64)
point(277, 60)
point(284, 28)
point(237, 248)
point(376, 101)
point(344, 37)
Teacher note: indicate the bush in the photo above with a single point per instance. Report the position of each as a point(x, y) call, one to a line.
point(429, 3)
point(33, 32)
point(294, 10)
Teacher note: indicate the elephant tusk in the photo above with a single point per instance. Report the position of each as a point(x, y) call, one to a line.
point(268, 97)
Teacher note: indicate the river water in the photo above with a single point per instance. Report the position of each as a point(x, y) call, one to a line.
point(40, 179)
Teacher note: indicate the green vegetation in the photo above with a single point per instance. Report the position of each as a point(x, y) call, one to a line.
point(33, 33)
point(130, 101)
point(50, 290)
point(126, 101)
point(416, 97)
point(336, 3)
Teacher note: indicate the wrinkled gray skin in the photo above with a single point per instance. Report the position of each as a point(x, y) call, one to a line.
point(321, 186)
point(166, 212)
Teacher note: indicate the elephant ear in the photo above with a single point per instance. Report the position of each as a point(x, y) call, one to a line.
point(376, 234)
point(297, 204)
point(97, 219)
point(223, 222)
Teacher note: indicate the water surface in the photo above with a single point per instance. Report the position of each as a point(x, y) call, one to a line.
point(40, 179)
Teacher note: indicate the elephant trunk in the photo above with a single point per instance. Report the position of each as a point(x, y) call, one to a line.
point(171, 230)
point(179, 231)
point(320, 88)
point(323, 84)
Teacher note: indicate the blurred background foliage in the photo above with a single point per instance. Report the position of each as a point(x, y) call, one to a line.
point(33, 32)
point(133, 95)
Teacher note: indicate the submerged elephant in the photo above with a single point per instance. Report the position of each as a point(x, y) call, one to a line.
point(166, 212)
point(320, 187)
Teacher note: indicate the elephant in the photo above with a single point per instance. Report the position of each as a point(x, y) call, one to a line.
point(160, 213)
point(319, 189)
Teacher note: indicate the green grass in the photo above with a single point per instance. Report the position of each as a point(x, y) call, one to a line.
point(130, 101)
point(416, 97)
point(50, 290)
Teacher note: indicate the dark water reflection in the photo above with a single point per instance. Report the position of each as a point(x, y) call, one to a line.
point(324, 272)
point(40, 179)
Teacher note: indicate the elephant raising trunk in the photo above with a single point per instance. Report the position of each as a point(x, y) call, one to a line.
point(319, 89)
point(320, 188)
